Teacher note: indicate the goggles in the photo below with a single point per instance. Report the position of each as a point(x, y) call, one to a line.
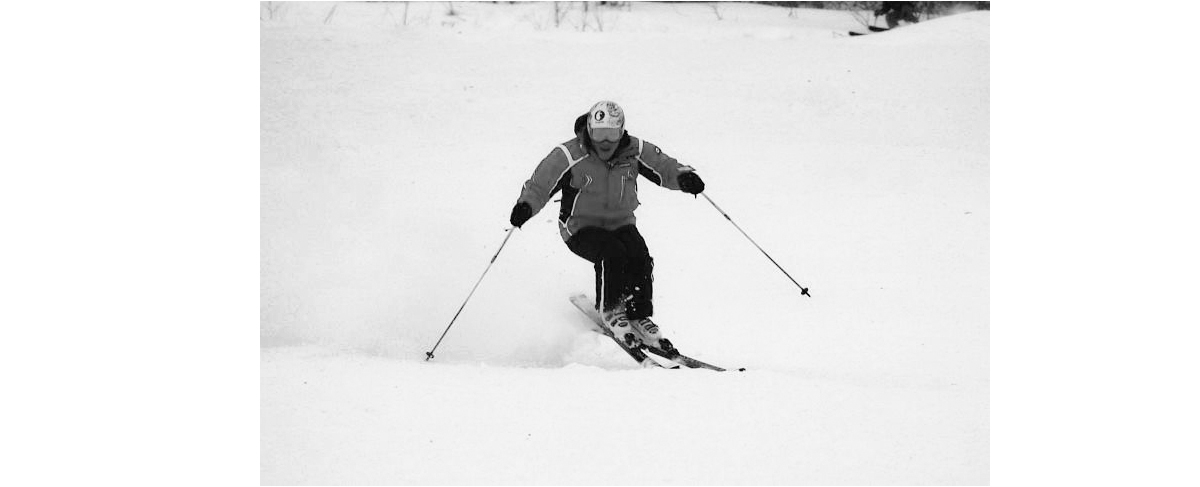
point(605, 134)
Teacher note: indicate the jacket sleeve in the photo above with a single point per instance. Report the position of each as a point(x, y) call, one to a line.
point(545, 180)
point(658, 167)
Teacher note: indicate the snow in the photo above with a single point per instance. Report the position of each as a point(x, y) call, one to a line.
point(393, 150)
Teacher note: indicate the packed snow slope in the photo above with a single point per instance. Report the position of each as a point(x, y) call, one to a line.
point(395, 140)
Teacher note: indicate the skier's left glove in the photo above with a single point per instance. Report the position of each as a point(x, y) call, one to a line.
point(690, 182)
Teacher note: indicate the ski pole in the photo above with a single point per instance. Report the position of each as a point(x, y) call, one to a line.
point(803, 290)
point(429, 354)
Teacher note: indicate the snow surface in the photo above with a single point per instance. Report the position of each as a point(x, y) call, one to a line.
point(393, 148)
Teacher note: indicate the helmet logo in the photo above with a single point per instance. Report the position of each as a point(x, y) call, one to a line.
point(599, 115)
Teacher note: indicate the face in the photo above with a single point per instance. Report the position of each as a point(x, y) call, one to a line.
point(605, 140)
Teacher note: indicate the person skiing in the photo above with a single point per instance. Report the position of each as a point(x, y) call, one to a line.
point(894, 12)
point(597, 173)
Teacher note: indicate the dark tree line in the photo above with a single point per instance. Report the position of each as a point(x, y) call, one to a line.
point(928, 9)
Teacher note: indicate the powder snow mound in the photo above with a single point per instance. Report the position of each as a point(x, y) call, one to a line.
point(970, 27)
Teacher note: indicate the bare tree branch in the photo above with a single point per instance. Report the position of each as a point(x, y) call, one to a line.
point(331, 11)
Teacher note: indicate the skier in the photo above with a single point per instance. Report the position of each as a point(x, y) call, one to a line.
point(597, 173)
point(894, 12)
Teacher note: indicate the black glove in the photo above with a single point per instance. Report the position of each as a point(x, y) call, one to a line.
point(689, 182)
point(521, 213)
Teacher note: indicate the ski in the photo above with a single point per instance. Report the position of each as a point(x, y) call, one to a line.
point(871, 28)
point(584, 304)
point(686, 361)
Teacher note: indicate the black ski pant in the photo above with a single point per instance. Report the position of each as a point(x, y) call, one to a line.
point(624, 268)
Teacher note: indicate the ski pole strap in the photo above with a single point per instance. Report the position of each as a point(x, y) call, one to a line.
point(429, 354)
point(803, 290)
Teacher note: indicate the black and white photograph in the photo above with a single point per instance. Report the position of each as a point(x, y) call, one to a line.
point(598, 243)
point(625, 243)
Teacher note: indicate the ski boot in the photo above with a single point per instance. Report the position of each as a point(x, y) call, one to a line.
point(619, 325)
point(648, 333)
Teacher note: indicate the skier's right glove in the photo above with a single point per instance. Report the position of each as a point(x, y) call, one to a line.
point(521, 213)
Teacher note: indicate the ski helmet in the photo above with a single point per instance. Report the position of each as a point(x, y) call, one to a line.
point(606, 116)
